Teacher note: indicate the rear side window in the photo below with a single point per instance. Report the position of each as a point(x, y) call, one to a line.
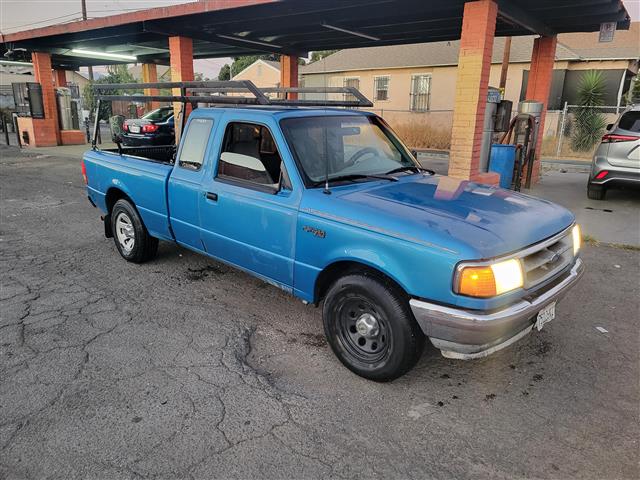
point(194, 143)
point(630, 121)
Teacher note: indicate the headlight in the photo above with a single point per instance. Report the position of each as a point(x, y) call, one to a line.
point(489, 280)
point(577, 239)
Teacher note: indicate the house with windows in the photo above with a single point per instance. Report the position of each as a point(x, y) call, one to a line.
point(263, 73)
point(422, 77)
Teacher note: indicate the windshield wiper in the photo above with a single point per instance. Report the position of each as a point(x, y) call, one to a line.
point(357, 176)
point(412, 168)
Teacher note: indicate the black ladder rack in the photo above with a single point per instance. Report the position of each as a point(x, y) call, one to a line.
point(215, 93)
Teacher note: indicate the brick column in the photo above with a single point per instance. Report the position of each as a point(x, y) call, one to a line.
point(46, 131)
point(60, 78)
point(289, 73)
point(150, 75)
point(539, 86)
point(181, 52)
point(474, 64)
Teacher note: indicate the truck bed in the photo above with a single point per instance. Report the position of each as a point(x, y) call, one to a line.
point(160, 153)
point(143, 180)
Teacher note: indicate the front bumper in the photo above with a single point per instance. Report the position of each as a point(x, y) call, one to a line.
point(468, 334)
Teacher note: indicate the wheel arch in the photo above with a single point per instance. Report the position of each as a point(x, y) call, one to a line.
point(341, 268)
point(113, 195)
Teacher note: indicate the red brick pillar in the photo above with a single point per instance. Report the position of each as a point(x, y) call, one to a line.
point(60, 78)
point(539, 86)
point(289, 73)
point(181, 52)
point(46, 131)
point(150, 75)
point(474, 64)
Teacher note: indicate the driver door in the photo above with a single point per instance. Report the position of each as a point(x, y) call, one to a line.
point(248, 210)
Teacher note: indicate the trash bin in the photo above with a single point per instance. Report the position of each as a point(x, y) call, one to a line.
point(501, 161)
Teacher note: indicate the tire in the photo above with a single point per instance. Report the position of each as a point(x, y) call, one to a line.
point(596, 192)
point(130, 235)
point(370, 327)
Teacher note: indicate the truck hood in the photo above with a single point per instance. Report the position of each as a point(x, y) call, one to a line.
point(472, 220)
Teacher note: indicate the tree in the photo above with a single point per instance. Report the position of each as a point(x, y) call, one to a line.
point(199, 77)
point(320, 54)
point(634, 94)
point(115, 74)
point(589, 120)
point(225, 72)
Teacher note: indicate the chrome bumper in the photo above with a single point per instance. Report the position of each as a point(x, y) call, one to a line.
point(468, 334)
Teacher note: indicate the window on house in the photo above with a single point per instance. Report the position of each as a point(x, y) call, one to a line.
point(420, 92)
point(381, 88)
point(351, 82)
point(249, 156)
point(259, 70)
point(195, 143)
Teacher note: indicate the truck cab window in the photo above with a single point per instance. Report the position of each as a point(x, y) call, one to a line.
point(194, 143)
point(249, 154)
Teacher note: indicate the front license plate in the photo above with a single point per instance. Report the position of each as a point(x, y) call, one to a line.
point(134, 129)
point(545, 315)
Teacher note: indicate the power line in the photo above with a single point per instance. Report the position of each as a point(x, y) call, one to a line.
point(44, 21)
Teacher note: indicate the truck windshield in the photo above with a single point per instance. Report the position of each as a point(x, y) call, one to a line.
point(344, 147)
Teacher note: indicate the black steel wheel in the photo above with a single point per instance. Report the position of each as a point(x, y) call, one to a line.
point(370, 327)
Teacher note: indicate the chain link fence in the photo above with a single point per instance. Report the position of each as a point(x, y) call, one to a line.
point(561, 130)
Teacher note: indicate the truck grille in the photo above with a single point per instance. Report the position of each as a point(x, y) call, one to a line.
point(546, 261)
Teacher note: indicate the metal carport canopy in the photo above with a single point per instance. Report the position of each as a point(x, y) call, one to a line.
point(230, 28)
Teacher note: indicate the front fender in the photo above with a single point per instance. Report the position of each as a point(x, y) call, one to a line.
point(420, 270)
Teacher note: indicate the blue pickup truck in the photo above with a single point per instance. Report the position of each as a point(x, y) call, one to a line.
point(329, 205)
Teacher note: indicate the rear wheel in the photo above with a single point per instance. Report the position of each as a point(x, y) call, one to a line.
point(130, 235)
point(370, 327)
point(596, 192)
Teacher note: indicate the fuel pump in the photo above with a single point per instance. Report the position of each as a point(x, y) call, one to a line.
point(523, 132)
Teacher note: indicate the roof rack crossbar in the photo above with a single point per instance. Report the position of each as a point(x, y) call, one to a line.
point(352, 96)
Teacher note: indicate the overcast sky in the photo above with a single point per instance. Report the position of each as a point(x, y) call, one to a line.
point(17, 15)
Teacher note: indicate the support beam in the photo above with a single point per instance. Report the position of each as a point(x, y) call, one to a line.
point(150, 75)
point(539, 86)
point(510, 11)
point(474, 64)
point(60, 78)
point(506, 58)
point(46, 131)
point(181, 50)
point(289, 73)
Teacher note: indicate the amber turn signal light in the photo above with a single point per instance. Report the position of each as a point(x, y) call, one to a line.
point(490, 280)
point(477, 282)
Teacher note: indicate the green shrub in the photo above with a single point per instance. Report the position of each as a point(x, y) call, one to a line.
point(589, 122)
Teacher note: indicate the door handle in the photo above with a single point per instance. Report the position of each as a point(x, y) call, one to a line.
point(211, 196)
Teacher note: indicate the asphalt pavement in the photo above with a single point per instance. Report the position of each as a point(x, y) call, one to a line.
point(186, 368)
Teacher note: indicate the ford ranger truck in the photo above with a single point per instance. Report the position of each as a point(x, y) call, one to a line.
point(329, 205)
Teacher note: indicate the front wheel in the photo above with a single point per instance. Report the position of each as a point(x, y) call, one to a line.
point(130, 235)
point(370, 327)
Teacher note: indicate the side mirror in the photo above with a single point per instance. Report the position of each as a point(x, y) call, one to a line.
point(609, 126)
point(415, 154)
